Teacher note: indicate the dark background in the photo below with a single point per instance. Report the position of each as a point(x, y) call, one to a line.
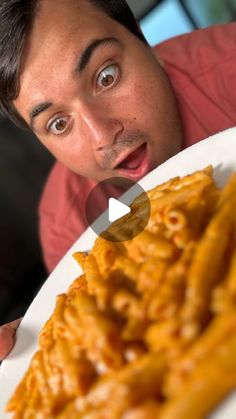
point(25, 164)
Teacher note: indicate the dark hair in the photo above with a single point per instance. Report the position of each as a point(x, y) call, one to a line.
point(16, 19)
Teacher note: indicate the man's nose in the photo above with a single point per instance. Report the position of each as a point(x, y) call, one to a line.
point(97, 123)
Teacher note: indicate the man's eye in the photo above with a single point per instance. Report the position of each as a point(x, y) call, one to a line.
point(108, 76)
point(59, 125)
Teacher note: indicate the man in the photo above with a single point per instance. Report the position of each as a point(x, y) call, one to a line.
point(83, 78)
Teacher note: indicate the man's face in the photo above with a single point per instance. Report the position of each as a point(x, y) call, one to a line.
point(95, 95)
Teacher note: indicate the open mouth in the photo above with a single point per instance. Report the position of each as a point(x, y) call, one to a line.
point(134, 159)
point(136, 164)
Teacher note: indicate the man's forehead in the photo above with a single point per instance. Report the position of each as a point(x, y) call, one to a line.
point(58, 28)
point(72, 14)
point(57, 25)
point(57, 41)
point(47, 74)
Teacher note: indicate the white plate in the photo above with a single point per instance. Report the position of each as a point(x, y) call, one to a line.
point(218, 150)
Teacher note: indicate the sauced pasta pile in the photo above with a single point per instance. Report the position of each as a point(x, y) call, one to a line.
point(149, 330)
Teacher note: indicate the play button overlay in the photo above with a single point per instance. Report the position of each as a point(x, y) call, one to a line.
point(117, 209)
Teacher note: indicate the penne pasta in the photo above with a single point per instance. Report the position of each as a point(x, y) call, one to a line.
point(149, 327)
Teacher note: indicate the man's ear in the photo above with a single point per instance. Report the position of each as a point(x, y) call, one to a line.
point(158, 58)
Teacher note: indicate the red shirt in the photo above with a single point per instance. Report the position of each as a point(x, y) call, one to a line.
point(201, 67)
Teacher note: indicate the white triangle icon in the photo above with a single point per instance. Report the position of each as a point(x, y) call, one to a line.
point(116, 209)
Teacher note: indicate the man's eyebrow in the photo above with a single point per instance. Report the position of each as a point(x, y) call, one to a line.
point(83, 62)
point(36, 110)
point(89, 50)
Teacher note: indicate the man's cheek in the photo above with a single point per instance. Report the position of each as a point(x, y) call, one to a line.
point(83, 163)
point(143, 100)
